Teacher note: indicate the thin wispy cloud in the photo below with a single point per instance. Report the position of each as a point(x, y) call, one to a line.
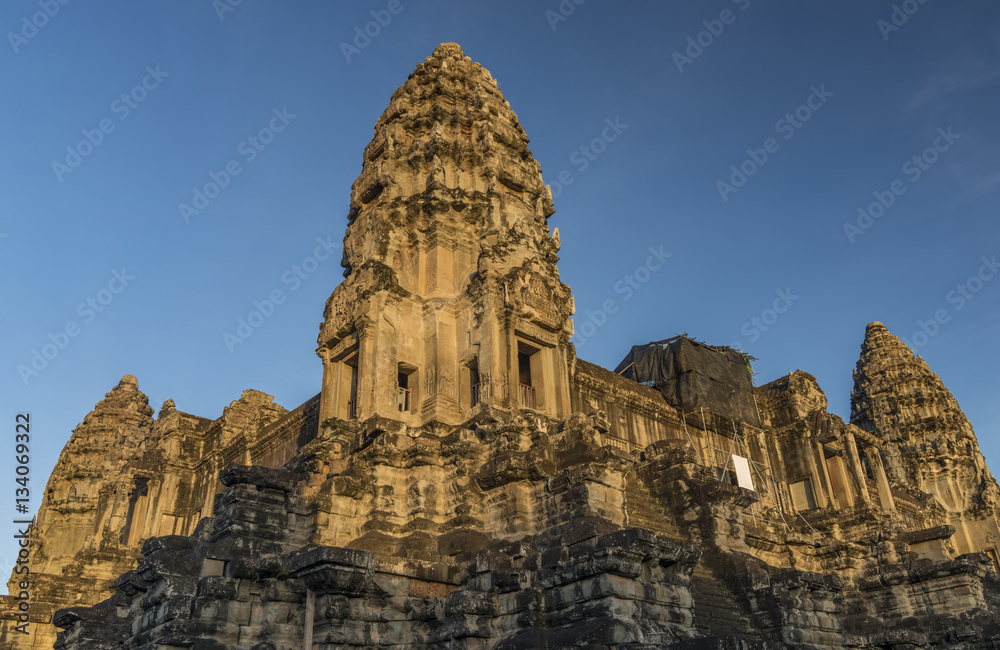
point(970, 74)
point(977, 184)
point(988, 183)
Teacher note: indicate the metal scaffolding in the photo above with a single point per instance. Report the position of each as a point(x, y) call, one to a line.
point(726, 439)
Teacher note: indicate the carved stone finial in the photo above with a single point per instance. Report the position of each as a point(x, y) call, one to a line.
point(167, 408)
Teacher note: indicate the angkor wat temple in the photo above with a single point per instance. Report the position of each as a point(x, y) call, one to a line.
point(463, 480)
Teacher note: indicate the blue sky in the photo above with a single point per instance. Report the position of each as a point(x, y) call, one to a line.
point(839, 97)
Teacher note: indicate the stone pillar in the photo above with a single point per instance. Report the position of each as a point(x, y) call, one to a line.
point(511, 373)
point(492, 357)
point(441, 351)
point(813, 454)
point(884, 491)
point(380, 369)
point(856, 471)
point(366, 369)
point(839, 482)
point(560, 381)
point(328, 394)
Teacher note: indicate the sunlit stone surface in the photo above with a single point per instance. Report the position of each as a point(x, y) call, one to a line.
point(462, 480)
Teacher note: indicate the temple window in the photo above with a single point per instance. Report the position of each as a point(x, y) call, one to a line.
point(839, 482)
point(474, 393)
point(136, 511)
point(529, 376)
point(405, 380)
point(802, 495)
point(866, 464)
point(350, 371)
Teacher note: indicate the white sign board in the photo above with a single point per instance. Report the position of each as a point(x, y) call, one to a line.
point(743, 478)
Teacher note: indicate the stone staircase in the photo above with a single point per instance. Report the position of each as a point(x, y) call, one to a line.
point(645, 511)
point(716, 613)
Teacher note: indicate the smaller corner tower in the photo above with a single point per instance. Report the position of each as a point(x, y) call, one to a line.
point(929, 444)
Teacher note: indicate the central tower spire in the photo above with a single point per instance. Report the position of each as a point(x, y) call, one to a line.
point(451, 297)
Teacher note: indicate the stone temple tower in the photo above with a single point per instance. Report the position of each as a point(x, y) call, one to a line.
point(452, 298)
point(463, 481)
point(929, 445)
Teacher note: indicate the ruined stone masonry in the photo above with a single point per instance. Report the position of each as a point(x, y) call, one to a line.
point(463, 480)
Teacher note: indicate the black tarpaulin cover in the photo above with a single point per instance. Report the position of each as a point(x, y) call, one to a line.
point(692, 375)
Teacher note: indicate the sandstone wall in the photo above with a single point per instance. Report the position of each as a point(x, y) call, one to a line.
point(125, 477)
